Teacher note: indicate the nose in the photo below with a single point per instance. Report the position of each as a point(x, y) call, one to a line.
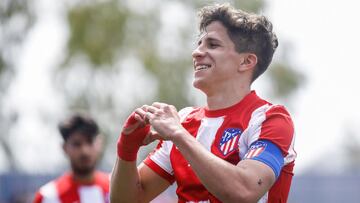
point(198, 52)
point(86, 149)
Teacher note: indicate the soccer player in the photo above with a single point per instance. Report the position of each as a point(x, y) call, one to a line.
point(237, 148)
point(83, 184)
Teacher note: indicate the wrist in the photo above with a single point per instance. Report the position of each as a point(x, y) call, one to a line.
point(129, 144)
point(180, 135)
point(125, 152)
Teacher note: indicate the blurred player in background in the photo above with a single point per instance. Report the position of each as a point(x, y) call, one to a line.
point(237, 148)
point(83, 183)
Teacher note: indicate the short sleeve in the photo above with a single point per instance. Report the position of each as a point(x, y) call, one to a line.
point(278, 128)
point(267, 153)
point(159, 161)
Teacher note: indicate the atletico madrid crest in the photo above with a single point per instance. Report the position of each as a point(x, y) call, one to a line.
point(229, 140)
point(255, 150)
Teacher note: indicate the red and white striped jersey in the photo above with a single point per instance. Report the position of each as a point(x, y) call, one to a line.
point(66, 190)
point(228, 133)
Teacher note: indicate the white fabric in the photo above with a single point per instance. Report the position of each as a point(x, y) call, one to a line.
point(162, 157)
point(252, 132)
point(264, 199)
point(91, 194)
point(49, 193)
point(207, 131)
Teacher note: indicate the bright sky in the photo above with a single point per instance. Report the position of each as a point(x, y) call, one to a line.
point(325, 41)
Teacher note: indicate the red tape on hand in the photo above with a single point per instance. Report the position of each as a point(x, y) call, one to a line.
point(130, 141)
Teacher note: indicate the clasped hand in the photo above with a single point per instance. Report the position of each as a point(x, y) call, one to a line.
point(163, 118)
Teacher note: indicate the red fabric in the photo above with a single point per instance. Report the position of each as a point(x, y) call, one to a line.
point(38, 197)
point(128, 144)
point(67, 190)
point(271, 122)
point(279, 193)
point(161, 172)
point(275, 117)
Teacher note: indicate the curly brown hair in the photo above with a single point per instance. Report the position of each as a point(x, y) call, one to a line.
point(249, 32)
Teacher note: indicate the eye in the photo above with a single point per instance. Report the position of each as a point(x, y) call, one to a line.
point(76, 144)
point(213, 45)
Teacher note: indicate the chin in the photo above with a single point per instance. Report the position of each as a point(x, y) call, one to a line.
point(84, 170)
point(198, 84)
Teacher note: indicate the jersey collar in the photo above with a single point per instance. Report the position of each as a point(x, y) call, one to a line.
point(242, 103)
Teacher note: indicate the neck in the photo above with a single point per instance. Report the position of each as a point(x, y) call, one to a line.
point(83, 178)
point(227, 97)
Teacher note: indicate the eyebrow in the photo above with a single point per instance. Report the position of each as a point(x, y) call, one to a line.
point(201, 36)
point(211, 39)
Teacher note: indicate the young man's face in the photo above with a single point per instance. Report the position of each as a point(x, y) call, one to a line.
point(215, 59)
point(83, 152)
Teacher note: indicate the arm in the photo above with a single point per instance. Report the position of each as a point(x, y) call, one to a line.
point(129, 183)
point(132, 184)
point(246, 182)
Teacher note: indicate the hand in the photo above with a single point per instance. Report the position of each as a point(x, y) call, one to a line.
point(133, 135)
point(164, 119)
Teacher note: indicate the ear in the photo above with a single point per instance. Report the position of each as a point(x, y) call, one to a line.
point(248, 62)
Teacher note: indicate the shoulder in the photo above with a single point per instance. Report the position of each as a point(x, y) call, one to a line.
point(271, 112)
point(57, 187)
point(102, 179)
point(278, 128)
point(184, 112)
point(279, 116)
point(47, 193)
point(271, 122)
point(191, 113)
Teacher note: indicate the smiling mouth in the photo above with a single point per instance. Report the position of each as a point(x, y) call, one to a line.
point(202, 67)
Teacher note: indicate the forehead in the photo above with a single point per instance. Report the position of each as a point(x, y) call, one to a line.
point(215, 30)
point(80, 137)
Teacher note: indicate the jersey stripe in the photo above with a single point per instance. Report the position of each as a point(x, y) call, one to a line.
point(291, 152)
point(162, 157)
point(49, 193)
point(66, 190)
point(91, 194)
point(252, 132)
point(207, 131)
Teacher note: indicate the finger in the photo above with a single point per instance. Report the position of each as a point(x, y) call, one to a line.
point(158, 104)
point(130, 128)
point(172, 107)
point(152, 109)
point(144, 107)
point(148, 117)
point(130, 120)
point(169, 108)
point(140, 120)
point(138, 117)
point(141, 111)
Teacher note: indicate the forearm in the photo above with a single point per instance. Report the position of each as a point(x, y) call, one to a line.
point(125, 182)
point(224, 180)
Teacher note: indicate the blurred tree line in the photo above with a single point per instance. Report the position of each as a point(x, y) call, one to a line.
point(122, 54)
point(16, 18)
